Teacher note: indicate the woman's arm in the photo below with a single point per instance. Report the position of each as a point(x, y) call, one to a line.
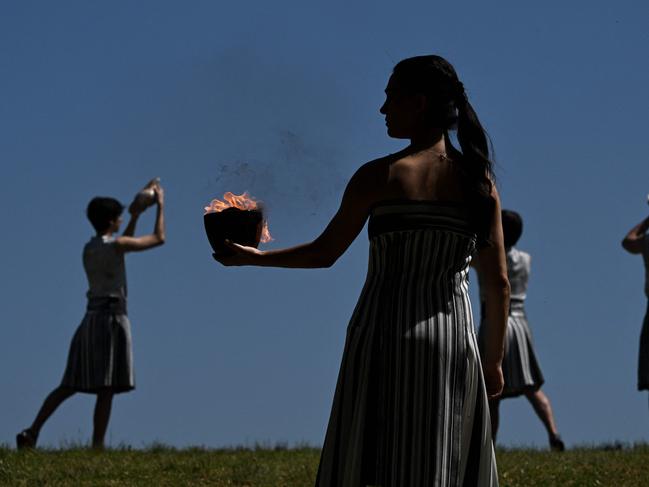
point(129, 231)
point(127, 243)
point(634, 240)
point(330, 245)
point(491, 264)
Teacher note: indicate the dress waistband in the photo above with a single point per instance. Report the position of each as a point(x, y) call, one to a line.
point(516, 305)
point(107, 304)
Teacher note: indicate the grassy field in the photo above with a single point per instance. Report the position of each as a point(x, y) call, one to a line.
point(160, 466)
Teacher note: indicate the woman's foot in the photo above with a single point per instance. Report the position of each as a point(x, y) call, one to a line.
point(556, 443)
point(26, 439)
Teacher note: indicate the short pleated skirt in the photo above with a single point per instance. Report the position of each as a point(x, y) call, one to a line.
point(101, 356)
point(521, 369)
point(643, 358)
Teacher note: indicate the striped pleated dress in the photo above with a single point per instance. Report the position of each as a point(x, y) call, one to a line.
point(100, 357)
point(521, 369)
point(410, 407)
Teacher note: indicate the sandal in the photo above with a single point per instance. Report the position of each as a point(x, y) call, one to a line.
point(26, 439)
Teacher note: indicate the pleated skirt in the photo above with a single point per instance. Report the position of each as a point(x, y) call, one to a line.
point(521, 369)
point(643, 358)
point(100, 358)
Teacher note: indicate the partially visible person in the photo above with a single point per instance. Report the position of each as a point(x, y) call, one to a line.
point(521, 369)
point(100, 360)
point(637, 242)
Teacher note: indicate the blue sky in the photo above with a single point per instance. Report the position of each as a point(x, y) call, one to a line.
point(282, 99)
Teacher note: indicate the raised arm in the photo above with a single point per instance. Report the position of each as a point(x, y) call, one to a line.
point(491, 264)
point(330, 245)
point(129, 231)
point(633, 242)
point(128, 243)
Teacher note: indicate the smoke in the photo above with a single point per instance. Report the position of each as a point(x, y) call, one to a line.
point(298, 177)
point(278, 123)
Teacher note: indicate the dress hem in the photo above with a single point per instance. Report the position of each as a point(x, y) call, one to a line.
point(97, 390)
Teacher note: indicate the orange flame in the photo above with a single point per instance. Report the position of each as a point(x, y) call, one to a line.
point(243, 202)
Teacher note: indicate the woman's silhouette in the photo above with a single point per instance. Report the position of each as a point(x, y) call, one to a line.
point(637, 242)
point(521, 369)
point(410, 408)
point(100, 359)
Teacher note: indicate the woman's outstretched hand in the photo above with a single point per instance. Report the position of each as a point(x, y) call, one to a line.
point(238, 255)
point(494, 381)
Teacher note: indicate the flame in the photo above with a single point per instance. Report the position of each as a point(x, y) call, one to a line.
point(265, 234)
point(243, 202)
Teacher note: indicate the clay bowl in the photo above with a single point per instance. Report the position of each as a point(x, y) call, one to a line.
point(146, 197)
point(241, 226)
point(143, 200)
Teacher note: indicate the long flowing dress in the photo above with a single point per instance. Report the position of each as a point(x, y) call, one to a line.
point(521, 369)
point(410, 407)
point(100, 356)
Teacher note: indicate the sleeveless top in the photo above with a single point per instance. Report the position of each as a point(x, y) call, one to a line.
point(518, 273)
point(105, 268)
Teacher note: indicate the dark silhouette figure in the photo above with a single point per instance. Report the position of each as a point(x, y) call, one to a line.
point(521, 369)
point(637, 242)
point(410, 407)
point(100, 356)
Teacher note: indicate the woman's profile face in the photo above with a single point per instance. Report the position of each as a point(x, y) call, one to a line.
point(115, 224)
point(402, 110)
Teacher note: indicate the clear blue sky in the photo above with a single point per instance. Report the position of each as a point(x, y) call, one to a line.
point(281, 98)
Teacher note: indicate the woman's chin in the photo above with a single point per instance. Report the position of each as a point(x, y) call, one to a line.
point(396, 134)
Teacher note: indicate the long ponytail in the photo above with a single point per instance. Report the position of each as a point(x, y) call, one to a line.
point(449, 108)
point(476, 165)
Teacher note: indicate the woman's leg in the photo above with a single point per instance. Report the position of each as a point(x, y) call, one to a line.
point(101, 417)
point(51, 403)
point(27, 438)
point(494, 412)
point(543, 409)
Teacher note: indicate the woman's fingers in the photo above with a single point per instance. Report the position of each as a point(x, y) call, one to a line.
point(236, 254)
point(231, 245)
point(159, 193)
point(494, 381)
point(493, 394)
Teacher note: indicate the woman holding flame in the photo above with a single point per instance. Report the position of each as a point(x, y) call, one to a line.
point(100, 360)
point(410, 407)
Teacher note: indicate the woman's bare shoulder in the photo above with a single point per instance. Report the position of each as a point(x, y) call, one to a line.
point(374, 171)
point(380, 163)
point(370, 180)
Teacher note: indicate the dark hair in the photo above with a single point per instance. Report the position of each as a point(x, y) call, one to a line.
point(512, 227)
point(102, 210)
point(449, 108)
